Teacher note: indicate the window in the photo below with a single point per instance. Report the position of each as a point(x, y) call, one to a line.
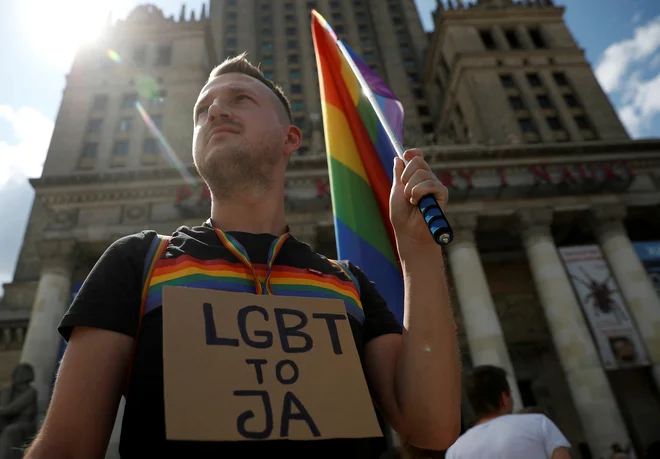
point(487, 39)
point(231, 42)
point(311, 4)
point(292, 44)
point(582, 122)
point(297, 105)
point(293, 59)
point(291, 31)
point(289, 7)
point(560, 78)
point(419, 94)
point(126, 124)
point(100, 102)
point(157, 120)
point(129, 100)
point(121, 148)
point(571, 101)
point(150, 146)
point(90, 150)
point(267, 60)
point(267, 46)
point(423, 110)
point(537, 38)
point(231, 2)
point(265, 20)
point(300, 122)
point(267, 32)
point(140, 55)
point(294, 74)
point(533, 80)
point(158, 98)
point(94, 126)
point(512, 38)
point(413, 77)
point(362, 28)
point(296, 89)
point(230, 29)
point(369, 55)
point(544, 101)
point(336, 16)
point(409, 63)
point(516, 103)
point(526, 125)
point(339, 28)
point(427, 128)
point(231, 16)
point(269, 75)
point(554, 123)
point(290, 18)
point(164, 55)
point(334, 4)
point(397, 21)
point(507, 81)
point(366, 42)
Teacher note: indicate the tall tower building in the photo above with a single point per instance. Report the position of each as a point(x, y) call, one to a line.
point(387, 34)
point(502, 72)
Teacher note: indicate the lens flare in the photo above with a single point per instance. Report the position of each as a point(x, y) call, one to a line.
point(165, 147)
point(114, 56)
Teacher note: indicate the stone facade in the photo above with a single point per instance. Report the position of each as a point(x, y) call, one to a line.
point(516, 195)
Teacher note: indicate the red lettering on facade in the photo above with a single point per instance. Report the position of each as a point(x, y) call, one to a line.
point(583, 173)
point(567, 176)
point(541, 174)
point(447, 179)
point(204, 196)
point(503, 180)
point(182, 193)
point(322, 188)
point(467, 175)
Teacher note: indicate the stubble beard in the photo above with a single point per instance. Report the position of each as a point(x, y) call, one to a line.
point(241, 170)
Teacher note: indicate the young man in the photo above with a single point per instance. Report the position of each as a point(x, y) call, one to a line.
point(243, 138)
point(498, 434)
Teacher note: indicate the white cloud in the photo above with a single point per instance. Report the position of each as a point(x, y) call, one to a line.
point(627, 71)
point(620, 56)
point(32, 131)
point(21, 156)
point(637, 18)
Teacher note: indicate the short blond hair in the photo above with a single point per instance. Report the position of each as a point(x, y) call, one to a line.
point(240, 64)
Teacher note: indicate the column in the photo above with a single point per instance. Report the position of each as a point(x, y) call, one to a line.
point(482, 326)
point(42, 341)
point(591, 393)
point(631, 277)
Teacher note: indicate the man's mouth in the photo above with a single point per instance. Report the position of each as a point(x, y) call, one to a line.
point(223, 129)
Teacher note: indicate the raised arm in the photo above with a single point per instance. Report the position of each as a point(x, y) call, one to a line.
point(87, 391)
point(417, 376)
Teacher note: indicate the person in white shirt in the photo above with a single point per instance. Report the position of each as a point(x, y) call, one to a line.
point(499, 434)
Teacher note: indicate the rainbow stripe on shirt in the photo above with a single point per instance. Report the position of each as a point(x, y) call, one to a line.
point(187, 271)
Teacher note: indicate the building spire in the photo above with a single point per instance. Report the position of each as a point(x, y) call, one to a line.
point(182, 16)
point(203, 15)
point(192, 15)
point(461, 6)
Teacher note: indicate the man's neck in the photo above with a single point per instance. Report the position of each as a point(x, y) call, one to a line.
point(250, 215)
point(489, 417)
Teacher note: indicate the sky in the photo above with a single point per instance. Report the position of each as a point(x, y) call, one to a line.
point(39, 39)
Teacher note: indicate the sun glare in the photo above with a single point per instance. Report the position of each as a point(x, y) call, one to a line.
point(57, 29)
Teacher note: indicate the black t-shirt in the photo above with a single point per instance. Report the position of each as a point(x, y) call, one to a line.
point(110, 299)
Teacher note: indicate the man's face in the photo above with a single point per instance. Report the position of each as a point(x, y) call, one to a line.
point(242, 138)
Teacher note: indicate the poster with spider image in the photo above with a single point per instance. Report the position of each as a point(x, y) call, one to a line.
point(612, 327)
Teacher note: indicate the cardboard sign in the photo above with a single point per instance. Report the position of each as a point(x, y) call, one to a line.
point(240, 366)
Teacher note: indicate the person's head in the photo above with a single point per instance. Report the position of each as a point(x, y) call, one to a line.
point(243, 131)
point(488, 391)
point(22, 374)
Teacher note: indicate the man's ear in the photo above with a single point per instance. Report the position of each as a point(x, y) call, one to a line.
point(293, 141)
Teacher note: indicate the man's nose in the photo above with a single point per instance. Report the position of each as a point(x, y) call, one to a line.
point(217, 110)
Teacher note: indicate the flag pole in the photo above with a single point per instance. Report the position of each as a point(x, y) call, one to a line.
point(433, 215)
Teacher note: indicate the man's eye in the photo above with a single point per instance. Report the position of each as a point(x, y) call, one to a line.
point(201, 111)
point(243, 97)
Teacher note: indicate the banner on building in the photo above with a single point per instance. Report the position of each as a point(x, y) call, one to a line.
point(649, 254)
point(616, 336)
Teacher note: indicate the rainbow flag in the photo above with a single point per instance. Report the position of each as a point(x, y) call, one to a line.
point(360, 162)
